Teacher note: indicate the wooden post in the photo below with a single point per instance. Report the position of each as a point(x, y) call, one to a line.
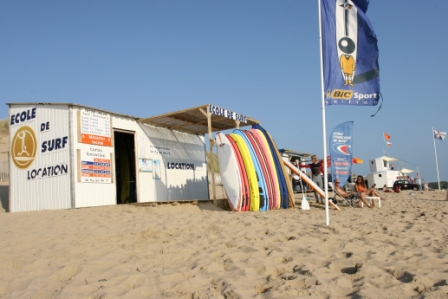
point(211, 144)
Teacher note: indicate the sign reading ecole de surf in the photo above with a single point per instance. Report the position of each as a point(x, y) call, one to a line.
point(25, 150)
point(227, 113)
point(23, 116)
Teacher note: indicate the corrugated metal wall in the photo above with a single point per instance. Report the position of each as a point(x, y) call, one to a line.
point(91, 194)
point(183, 166)
point(40, 157)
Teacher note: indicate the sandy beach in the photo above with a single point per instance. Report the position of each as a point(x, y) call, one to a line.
point(202, 251)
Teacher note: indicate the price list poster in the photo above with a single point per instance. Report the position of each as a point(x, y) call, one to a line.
point(95, 160)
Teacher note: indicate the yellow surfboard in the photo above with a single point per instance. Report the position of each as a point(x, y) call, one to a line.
point(250, 170)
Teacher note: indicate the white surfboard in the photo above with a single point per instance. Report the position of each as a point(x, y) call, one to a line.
point(230, 174)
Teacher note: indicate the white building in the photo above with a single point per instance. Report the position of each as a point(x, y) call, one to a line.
point(70, 156)
point(382, 172)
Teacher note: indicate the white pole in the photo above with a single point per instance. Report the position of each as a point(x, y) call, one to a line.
point(435, 153)
point(419, 179)
point(324, 133)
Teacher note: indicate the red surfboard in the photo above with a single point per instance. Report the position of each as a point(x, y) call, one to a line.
point(263, 162)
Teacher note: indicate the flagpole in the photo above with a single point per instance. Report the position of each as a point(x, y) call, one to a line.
point(435, 153)
point(324, 133)
point(384, 145)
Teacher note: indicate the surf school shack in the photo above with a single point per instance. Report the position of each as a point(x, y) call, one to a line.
point(65, 155)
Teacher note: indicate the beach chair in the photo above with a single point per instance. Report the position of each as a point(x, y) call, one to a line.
point(351, 202)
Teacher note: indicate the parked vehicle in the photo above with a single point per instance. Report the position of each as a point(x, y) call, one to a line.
point(406, 185)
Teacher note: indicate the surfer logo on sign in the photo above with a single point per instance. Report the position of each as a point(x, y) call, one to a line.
point(23, 147)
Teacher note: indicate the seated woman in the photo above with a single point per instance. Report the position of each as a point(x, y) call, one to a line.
point(360, 186)
point(360, 195)
point(385, 188)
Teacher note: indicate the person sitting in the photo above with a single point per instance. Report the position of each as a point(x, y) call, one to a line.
point(385, 188)
point(360, 186)
point(350, 195)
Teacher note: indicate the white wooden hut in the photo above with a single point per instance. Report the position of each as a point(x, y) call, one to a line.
point(66, 156)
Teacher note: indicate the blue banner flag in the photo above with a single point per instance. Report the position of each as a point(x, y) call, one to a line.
point(350, 54)
point(341, 140)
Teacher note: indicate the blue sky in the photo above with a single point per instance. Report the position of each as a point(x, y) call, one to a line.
point(257, 58)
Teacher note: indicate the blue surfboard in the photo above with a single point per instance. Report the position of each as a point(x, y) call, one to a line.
point(262, 187)
point(278, 165)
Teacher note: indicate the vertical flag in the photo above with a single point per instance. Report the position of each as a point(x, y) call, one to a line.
point(386, 136)
point(439, 135)
point(389, 143)
point(341, 151)
point(350, 54)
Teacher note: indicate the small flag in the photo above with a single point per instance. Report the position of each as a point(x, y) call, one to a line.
point(389, 143)
point(439, 135)
point(386, 136)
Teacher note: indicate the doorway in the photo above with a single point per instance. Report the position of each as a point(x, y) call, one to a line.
point(125, 170)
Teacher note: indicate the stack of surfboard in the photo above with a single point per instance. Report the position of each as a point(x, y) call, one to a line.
point(252, 171)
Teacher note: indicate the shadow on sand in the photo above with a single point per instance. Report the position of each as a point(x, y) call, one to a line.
point(4, 197)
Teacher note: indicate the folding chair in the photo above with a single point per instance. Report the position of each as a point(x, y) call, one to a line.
point(351, 202)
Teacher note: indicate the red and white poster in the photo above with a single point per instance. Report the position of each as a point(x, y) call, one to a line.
point(95, 128)
point(95, 165)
